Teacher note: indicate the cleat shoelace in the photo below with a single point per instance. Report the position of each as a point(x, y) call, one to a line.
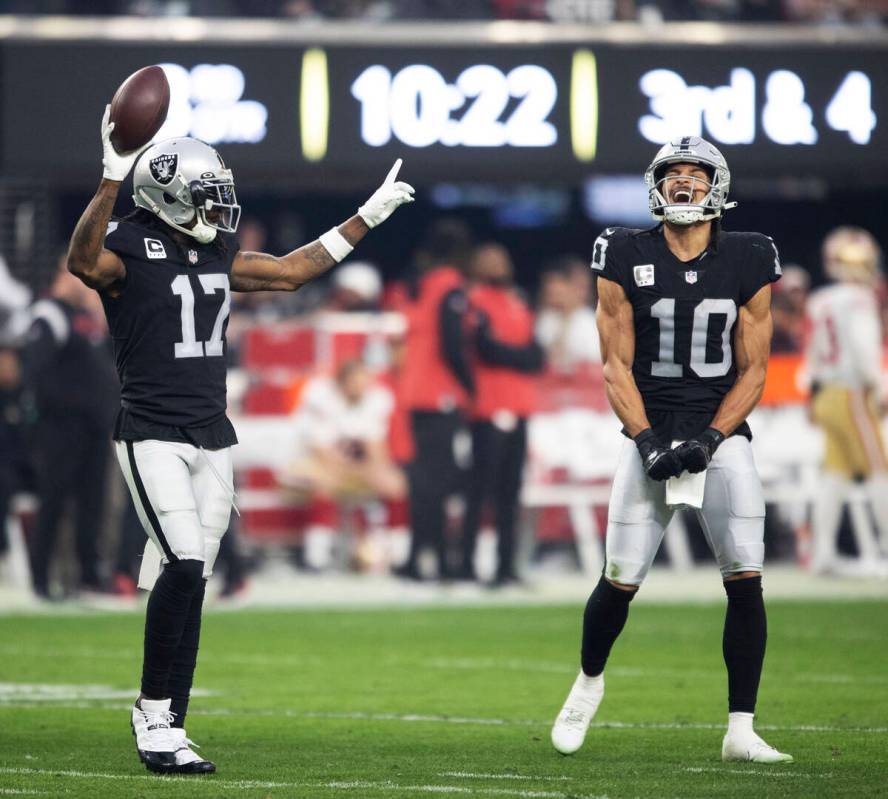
point(157, 728)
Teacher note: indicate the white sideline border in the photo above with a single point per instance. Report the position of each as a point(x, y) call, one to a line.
point(281, 587)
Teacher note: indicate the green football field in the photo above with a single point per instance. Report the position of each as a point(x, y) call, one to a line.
point(449, 701)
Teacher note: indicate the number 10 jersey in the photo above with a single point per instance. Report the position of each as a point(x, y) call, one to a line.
point(168, 326)
point(685, 314)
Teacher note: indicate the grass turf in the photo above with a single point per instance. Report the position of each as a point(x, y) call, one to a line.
point(419, 702)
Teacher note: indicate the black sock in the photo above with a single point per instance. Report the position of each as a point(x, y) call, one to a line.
point(182, 670)
point(603, 620)
point(743, 644)
point(168, 609)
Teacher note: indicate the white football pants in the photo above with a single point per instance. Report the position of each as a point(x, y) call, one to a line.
point(732, 517)
point(183, 496)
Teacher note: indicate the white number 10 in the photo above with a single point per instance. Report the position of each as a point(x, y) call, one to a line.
point(189, 346)
point(665, 365)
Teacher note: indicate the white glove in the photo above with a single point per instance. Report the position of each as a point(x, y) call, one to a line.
point(386, 198)
point(116, 166)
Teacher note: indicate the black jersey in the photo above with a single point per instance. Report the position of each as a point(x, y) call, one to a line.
point(684, 316)
point(168, 327)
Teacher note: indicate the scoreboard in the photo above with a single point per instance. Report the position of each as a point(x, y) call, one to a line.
point(334, 113)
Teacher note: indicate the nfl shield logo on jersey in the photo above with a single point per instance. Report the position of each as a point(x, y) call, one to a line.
point(192, 256)
point(644, 274)
point(691, 277)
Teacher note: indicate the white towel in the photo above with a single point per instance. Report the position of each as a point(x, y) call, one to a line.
point(686, 490)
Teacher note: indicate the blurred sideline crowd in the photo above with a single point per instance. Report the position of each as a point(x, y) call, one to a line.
point(812, 12)
point(398, 414)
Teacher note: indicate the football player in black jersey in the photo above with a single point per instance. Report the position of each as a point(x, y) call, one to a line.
point(685, 325)
point(165, 273)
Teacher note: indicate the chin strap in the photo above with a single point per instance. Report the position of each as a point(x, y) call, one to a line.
point(203, 233)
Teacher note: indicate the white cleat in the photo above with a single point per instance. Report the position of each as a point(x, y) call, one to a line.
point(748, 747)
point(569, 730)
point(188, 761)
point(155, 742)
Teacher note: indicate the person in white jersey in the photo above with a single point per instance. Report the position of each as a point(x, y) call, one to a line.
point(844, 361)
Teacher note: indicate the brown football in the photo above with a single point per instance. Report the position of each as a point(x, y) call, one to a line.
point(139, 108)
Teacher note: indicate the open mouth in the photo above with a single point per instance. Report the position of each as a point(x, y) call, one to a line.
point(681, 196)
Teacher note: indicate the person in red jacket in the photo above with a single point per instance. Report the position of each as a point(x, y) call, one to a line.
point(506, 355)
point(436, 385)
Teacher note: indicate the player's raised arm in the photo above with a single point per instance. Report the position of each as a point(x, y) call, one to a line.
point(87, 258)
point(255, 271)
point(752, 347)
point(617, 331)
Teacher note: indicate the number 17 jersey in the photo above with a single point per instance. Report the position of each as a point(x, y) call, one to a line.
point(168, 325)
point(685, 315)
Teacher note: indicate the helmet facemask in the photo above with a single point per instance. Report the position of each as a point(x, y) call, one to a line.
point(216, 206)
point(683, 210)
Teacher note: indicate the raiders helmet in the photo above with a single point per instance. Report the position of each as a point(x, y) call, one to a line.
point(689, 150)
point(185, 182)
point(852, 255)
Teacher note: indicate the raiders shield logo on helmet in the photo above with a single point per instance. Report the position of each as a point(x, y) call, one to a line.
point(163, 168)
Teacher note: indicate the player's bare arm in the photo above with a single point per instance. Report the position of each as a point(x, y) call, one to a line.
point(87, 258)
point(258, 271)
point(253, 271)
point(617, 332)
point(752, 347)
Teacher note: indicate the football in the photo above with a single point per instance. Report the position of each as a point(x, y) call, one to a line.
point(139, 108)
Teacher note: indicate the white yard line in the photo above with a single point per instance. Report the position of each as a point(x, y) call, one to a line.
point(336, 785)
point(470, 775)
point(445, 664)
point(467, 720)
point(759, 772)
point(459, 789)
point(50, 693)
point(547, 667)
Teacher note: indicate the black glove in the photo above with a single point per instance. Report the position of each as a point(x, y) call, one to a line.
point(659, 461)
point(695, 453)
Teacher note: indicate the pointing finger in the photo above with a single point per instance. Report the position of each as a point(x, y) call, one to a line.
point(393, 173)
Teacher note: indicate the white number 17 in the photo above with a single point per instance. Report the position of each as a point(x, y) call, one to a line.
point(189, 346)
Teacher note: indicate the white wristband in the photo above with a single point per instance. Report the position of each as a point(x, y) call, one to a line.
point(335, 244)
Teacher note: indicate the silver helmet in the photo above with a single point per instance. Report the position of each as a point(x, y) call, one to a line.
point(185, 182)
point(689, 150)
